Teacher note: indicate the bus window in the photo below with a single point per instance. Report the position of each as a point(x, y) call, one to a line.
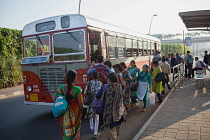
point(145, 48)
point(112, 46)
point(65, 22)
point(121, 47)
point(152, 48)
point(140, 48)
point(135, 48)
point(69, 46)
point(149, 48)
point(36, 46)
point(128, 48)
point(103, 40)
point(45, 26)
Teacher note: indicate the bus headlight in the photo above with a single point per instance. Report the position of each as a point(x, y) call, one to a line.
point(29, 88)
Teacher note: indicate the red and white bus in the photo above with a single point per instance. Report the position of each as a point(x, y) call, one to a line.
point(54, 45)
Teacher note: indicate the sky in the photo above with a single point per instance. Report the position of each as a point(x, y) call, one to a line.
point(133, 14)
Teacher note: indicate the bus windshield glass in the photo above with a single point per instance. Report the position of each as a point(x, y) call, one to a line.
point(36, 46)
point(68, 42)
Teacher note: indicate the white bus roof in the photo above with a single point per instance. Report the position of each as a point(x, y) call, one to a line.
point(77, 21)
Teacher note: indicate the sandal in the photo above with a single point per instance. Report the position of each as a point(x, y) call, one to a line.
point(97, 136)
point(144, 110)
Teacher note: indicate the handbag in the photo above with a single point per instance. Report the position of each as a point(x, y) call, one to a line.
point(59, 106)
point(160, 77)
point(88, 99)
point(98, 104)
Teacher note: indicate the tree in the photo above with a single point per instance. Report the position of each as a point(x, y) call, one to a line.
point(173, 48)
point(10, 57)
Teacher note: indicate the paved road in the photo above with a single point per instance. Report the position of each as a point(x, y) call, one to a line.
point(24, 122)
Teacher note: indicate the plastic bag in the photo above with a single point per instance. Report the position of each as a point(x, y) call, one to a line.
point(171, 78)
point(151, 99)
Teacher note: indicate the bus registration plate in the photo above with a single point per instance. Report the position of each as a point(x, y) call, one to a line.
point(33, 97)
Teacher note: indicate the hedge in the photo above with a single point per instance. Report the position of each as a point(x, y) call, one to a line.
point(10, 57)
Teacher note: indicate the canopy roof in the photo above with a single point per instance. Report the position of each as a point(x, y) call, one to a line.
point(196, 20)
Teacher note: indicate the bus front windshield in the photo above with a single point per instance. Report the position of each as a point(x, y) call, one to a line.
point(36, 46)
point(69, 46)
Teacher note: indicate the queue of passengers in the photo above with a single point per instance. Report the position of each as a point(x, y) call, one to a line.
point(118, 87)
point(188, 59)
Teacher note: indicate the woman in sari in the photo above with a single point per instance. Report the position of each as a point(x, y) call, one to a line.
point(134, 74)
point(145, 85)
point(127, 79)
point(70, 121)
point(114, 110)
point(157, 87)
point(118, 69)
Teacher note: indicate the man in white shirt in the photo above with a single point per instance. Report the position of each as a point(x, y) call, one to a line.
point(167, 70)
point(197, 66)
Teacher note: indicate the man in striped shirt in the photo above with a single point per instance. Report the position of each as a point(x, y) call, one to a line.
point(99, 65)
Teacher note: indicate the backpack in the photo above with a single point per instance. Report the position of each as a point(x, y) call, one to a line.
point(203, 65)
point(92, 89)
point(101, 73)
point(189, 59)
point(98, 104)
point(160, 77)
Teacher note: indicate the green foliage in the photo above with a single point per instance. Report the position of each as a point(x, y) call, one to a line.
point(10, 57)
point(174, 48)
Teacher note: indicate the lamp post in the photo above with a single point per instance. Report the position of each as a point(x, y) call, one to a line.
point(151, 23)
point(79, 6)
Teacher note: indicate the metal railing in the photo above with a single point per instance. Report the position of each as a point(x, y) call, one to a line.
point(178, 75)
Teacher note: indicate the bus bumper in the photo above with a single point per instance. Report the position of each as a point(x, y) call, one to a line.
point(37, 103)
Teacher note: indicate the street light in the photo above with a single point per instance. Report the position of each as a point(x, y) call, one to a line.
point(151, 22)
point(79, 6)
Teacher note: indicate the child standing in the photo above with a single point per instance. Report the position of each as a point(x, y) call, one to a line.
point(93, 87)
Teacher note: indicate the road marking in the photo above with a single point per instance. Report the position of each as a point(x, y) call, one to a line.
point(8, 95)
point(3, 96)
point(17, 93)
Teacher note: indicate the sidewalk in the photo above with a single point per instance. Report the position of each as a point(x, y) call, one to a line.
point(11, 91)
point(184, 115)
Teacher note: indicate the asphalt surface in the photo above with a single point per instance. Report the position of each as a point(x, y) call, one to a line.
point(31, 122)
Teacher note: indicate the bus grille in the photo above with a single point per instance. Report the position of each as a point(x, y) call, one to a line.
point(51, 78)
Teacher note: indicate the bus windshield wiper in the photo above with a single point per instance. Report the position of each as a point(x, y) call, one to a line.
point(73, 37)
point(40, 40)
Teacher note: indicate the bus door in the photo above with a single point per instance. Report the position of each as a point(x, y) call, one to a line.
point(95, 44)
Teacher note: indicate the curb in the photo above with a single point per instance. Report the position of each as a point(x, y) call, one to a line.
point(3, 96)
point(141, 131)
